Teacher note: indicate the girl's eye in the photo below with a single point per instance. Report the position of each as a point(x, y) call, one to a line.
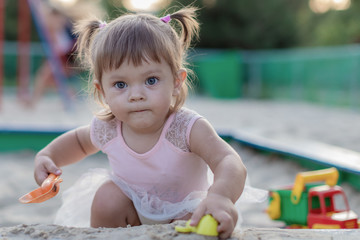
point(120, 85)
point(151, 81)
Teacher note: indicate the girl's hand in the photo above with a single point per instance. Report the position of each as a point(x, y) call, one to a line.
point(43, 167)
point(222, 209)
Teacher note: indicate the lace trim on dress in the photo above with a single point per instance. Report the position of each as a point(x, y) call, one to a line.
point(104, 131)
point(177, 132)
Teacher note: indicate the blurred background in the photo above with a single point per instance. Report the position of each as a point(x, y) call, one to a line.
point(276, 49)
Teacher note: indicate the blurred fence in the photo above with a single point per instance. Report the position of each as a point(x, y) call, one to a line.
point(10, 56)
point(37, 56)
point(328, 75)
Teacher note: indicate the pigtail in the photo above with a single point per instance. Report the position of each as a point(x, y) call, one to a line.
point(189, 25)
point(85, 31)
point(189, 31)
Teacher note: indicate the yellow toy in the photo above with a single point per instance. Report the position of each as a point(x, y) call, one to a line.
point(207, 226)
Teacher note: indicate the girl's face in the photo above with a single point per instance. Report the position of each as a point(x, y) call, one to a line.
point(141, 96)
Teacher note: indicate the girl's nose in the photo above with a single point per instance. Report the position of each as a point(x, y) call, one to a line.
point(136, 94)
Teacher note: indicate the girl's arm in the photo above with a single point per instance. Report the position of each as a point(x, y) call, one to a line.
point(229, 177)
point(68, 148)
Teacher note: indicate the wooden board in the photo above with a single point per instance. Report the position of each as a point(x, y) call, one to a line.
point(312, 152)
point(17, 139)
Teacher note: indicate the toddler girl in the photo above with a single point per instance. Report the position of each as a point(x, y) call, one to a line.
point(159, 152)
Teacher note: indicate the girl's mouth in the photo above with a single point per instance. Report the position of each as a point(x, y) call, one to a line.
point(139, 111)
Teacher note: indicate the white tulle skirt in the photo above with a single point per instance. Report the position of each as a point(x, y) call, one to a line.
point(77, 200)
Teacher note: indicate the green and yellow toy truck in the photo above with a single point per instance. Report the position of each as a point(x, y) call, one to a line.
point(309, 205)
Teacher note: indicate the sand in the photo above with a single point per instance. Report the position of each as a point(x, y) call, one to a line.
point(42, 231)
point(164, 232)
point(340, 127)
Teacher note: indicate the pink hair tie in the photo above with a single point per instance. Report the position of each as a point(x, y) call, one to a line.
point(102, 24)
point(166, 19)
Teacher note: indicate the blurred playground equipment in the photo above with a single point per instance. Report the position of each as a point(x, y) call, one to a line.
point(325, 75)
point(26, 10)
point(309, 205)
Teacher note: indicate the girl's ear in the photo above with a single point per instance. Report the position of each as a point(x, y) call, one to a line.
point(98, 86)
point(100, 90)
point(179, 81)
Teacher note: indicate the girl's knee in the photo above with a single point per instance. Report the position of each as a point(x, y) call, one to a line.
point(112, 208)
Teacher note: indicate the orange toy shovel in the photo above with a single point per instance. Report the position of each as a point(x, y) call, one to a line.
point(49, 188)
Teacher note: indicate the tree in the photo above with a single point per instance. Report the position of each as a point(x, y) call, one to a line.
point(250, 24)
point(330, 28)
point(247, 24)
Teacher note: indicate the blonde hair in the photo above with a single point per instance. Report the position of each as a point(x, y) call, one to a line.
point(135, 38)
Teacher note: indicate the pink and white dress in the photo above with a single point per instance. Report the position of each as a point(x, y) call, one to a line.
point(165, 183)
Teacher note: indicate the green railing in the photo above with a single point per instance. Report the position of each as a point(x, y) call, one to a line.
point(10, 52)
point(37, 57)
point(327, 75)
point(323, 75)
